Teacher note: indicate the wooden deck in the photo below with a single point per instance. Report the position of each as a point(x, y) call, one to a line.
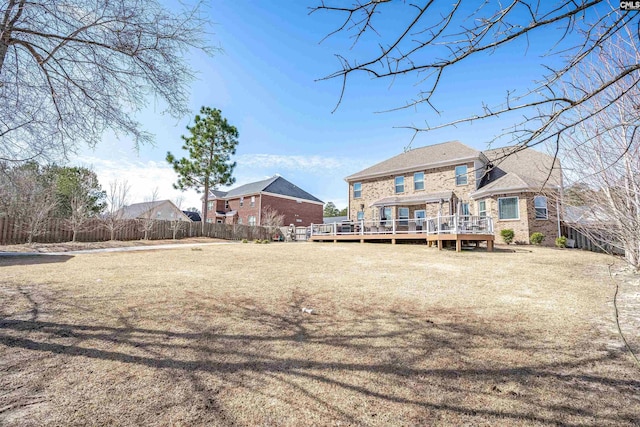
point(439, 239)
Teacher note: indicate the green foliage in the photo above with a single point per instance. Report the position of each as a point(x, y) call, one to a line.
point(536, 238)
point(245, 241)
point(507, 235)
point(330, 210)
point(211, 143)
point(76, 185)
point(343, 212)
point(561, 242)
point(257, 241)
point(265, 241)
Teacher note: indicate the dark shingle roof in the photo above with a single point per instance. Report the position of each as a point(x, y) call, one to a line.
point(193, 216)
point(276, 185)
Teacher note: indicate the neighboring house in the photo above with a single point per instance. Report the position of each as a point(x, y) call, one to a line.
point(519, 191)
point(193, 216)
point(334, 219)
point(246, 204)
point(160, 209)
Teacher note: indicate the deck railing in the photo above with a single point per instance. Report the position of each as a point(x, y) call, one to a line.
point(447, 224)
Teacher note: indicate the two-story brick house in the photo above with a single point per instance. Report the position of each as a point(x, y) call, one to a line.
point(519, 191)
point(245, 204)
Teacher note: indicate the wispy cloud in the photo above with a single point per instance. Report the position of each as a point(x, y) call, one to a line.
point(311, 164)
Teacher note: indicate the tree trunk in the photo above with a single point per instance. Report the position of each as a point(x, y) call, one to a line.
point(205, 207)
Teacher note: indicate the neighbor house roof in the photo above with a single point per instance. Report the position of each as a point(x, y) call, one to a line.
point(274, 185)
point(444, 154)
point(523, 170)
point(137, 210)
point(193, 216)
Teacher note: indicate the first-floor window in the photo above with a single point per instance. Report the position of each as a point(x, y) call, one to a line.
point(540, 205)
point(219, 221)
point(403, 216)
point(482, 208)
point(464, 209)
point(240, 221)
point(386, 216)
point(209, 220)
point(360, 215)
point(508, 208)
point(252, 220)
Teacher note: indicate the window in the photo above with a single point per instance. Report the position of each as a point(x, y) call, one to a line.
point(360, 215)
point(461, 175)
point(298, 220)
point(226, 204)
point(508, 208)
point(298, 201)
point(209, 206)
point(219, 221)
point(418, 181)
point(399, 184)
point(403, 216)
point(386, 216)
point(240, 221)
point(241, 201)
point(482, 208)
point(209, 220)
point(540, 205)
point(253, 201)
point(252, 220)
point(158, 214)
point(357, 190)
point(464, 209)
point(419, 215)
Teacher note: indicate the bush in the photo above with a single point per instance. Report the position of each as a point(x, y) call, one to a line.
point(245, 241)
point(561, 242)
point(257, 241)
point(507, 235)
point(265, 241)
point(536, 238)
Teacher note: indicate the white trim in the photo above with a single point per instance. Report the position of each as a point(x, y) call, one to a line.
point(526, 189)
point(292, 198)
point(517, 208)
point(546, 208)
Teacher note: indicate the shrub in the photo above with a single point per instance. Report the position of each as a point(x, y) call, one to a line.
point(561, 242)
point(265, 241)
point(536, 238)
point(245, 241)
point(257, 241)
point(507, 235)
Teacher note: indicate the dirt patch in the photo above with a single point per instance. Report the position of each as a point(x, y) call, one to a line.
point(399, 335)
point(78, 246)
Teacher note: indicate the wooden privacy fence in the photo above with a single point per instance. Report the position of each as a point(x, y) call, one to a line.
point(13, 231)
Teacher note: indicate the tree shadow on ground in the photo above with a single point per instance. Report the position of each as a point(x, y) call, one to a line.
point(350, 365)
point(17, 258)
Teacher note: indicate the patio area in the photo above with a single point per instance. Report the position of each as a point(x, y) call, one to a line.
point(461, 229)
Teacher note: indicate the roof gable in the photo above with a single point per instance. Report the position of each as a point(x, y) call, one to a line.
point(275, 185)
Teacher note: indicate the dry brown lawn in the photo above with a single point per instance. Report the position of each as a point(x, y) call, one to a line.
point(400, 335)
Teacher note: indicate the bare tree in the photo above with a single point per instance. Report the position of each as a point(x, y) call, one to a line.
point(28, 197)
point(426, 39)
point(601, 157)
point(116, 201)
point(177, 223)
point(71, 69)
point(82, 200)
point(271, 219)
point(147, 219)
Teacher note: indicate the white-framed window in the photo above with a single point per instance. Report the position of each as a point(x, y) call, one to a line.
point(420, 216)
point(357, 190)
point(540, 205)
point(464, 209)
point(209, 220)
point(399, 181)
point(508, 208)
point(418, 181)
point(461, 175)
point(360, 215)
point(253, 201)
point(403, 216)
point(386, 216)
point(240, 221)
point(298, 220)
point(252, 220)
point(209, 206)
point(241, 201)
point(226, 204)
point(482, 208)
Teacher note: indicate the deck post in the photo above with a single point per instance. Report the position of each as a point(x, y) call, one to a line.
point(311, 234)
point(393, 227)
point(458, 245)
point(362, 227)
point(335, 228)
point(490, 245)
point(439, 245)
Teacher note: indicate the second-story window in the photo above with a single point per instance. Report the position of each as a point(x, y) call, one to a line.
point(357, 190)
point(399, 184)
point(418, 181)
point(461, 175)
point(241, 201)
point(226, 204)
point(209, 206)
point(253, 201)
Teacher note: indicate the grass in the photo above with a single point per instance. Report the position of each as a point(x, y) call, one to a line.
point(400, 335)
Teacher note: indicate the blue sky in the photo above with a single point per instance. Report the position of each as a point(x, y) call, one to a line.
point(265, 83)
